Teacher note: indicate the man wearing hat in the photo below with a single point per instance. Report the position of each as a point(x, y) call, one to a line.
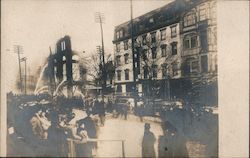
point(148, 142)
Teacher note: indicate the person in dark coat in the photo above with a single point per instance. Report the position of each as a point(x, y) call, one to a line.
point(176, 144)
point(148, 142)
point(101, 112)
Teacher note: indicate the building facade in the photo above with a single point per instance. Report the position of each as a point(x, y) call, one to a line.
point(174, 46)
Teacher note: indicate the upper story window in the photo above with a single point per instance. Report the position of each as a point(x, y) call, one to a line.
point(164, 70)
point(126, 74)
point(117, 35)
point(151, 20)
point(163, 34)
point(190, 42)
point(202, 13)
point(189, 19)
point(154, 53)
point(194, 66)
point(121, 33)
point(118, 60)
point(154, 71)
point(174, 48)
point(125, 45)
point(63, 46)
point(175, 69)
point(118, 47)
point(163, 50)
point(145, 72)
point(126, 58)
point(119, 75)
point(144, 39)
point(153, 37)
point(173, 31)
point(144, 54)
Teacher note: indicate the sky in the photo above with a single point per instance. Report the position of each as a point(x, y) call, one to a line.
point(36, 25)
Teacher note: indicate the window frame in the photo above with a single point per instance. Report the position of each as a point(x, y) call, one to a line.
point(163, 34)
point(126, 58)
point(188, 40)
point(164, 53)
point(164, 70)
point(175, 69)
point(173, 33)
point(119, 75)
point(154, 52)
point(192, 70)
point(144, 39)
point(126, 72)
point(189, 19)
point(118, 47)
point(154, 71)
point(145, 71)
point(125, 45)
point(153, 37)
point(174, 49)
point(118, 62)
point(204, 13)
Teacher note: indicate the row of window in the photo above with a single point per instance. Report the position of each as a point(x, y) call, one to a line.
point(119, 74)
point(164, 70)
point(126, 59)
point(193, 66)
point(190, 18)
point(154, 72)
point(144, 37)
point(154, 53)
point(119, 34)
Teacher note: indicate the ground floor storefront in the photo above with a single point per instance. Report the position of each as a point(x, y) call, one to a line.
point(172, 89)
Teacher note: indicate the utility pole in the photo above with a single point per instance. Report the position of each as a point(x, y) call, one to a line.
point(18, 50)
point(133, 52)
point(99, 18)
point(25, 75)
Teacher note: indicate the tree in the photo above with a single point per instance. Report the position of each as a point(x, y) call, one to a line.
point(96, 71)
point(152, 52)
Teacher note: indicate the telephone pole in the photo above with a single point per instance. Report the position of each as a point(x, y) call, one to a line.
point(25, 74)
point(99, 18)
point(18, 49)
point(134, 54)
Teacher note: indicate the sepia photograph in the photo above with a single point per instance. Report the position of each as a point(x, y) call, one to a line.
point(126, 78)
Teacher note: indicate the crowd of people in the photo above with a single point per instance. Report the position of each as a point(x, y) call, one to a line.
point(47, 128)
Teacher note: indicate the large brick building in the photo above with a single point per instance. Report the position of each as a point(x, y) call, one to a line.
point(175, 48)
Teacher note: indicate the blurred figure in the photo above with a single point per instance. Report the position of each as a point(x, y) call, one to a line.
point(176, 144)
point(148, 142)
point(36, 124)
point(110, 106)
point(140, 110)
point(90, 127)
point(82, 148)
point(101, 112)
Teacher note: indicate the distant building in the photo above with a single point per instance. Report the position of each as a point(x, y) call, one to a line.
point(173, 44)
